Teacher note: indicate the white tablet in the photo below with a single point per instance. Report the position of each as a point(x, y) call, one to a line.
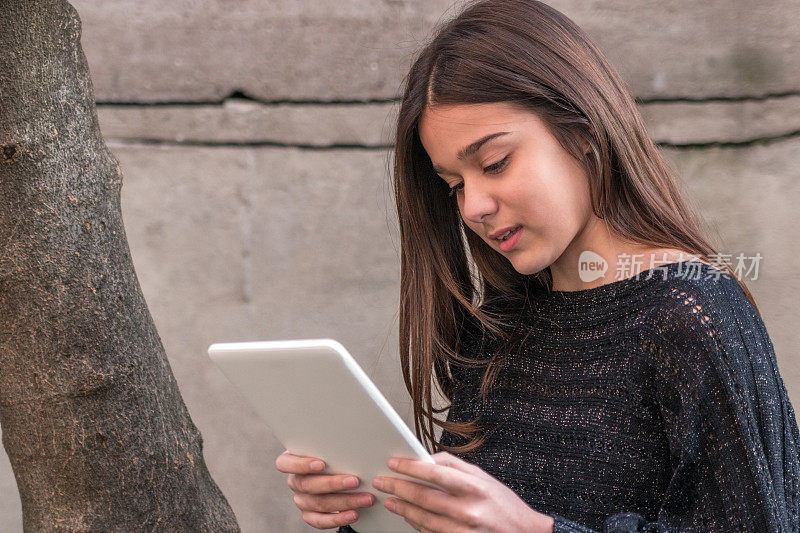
point(320, 403)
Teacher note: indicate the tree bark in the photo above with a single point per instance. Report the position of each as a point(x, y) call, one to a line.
point(93, 422)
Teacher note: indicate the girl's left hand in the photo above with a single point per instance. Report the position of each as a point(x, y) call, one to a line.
point(475, 501)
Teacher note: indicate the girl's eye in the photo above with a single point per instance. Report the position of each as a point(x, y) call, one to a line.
point(491, 169)
point(497, 167)
point(455, 188)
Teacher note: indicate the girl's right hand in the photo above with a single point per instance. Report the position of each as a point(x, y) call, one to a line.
point(318, 495)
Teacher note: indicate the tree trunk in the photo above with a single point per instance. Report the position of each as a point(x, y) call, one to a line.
point(93, 422)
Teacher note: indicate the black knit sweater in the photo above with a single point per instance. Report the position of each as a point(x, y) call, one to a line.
point(652, 403)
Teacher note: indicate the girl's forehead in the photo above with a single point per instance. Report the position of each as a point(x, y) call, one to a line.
point(468, 114)
point(447, 125)
point(468, 118)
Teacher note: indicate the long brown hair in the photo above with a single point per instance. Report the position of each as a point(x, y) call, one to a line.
point(528, 54)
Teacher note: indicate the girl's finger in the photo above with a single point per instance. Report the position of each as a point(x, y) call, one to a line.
point(322, 483)
point(330, 503)
point(329, 520)
point(452, 480)
point(296, 464)
point(424, 520)
point(433, 500)
point(447, 459)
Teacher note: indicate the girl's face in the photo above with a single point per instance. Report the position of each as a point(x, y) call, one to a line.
point(506, 170)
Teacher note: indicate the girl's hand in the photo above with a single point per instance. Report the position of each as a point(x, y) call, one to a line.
point(476, 500)
point(318, 495)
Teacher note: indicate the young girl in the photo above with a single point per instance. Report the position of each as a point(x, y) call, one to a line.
point(605, 370)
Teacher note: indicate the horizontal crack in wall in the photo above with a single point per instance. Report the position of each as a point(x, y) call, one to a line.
point(731, 144)
point(743, 98)
point(337, 146)
point(240, 95)
point(248, 144)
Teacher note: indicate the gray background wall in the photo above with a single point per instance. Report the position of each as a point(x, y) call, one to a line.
point(254, 138)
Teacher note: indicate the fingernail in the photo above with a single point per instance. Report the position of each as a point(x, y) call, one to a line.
point(365, 500)
point(393, 463)
point(378, 483)
point(390, 505)
point(350, 482)
point(317, 465)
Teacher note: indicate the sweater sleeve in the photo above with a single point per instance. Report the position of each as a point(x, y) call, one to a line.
point(732, 431)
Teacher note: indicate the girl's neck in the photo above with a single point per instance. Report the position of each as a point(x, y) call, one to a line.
point(596, 257)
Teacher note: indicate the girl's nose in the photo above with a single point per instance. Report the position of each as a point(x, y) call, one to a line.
point(478, 202)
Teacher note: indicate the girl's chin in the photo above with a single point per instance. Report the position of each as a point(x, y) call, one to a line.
point(526, 267)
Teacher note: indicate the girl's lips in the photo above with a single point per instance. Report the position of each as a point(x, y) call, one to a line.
point(508, 244)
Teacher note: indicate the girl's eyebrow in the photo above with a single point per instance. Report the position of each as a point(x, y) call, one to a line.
point(472, 148)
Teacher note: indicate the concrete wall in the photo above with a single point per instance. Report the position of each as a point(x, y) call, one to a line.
point(254, 139)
